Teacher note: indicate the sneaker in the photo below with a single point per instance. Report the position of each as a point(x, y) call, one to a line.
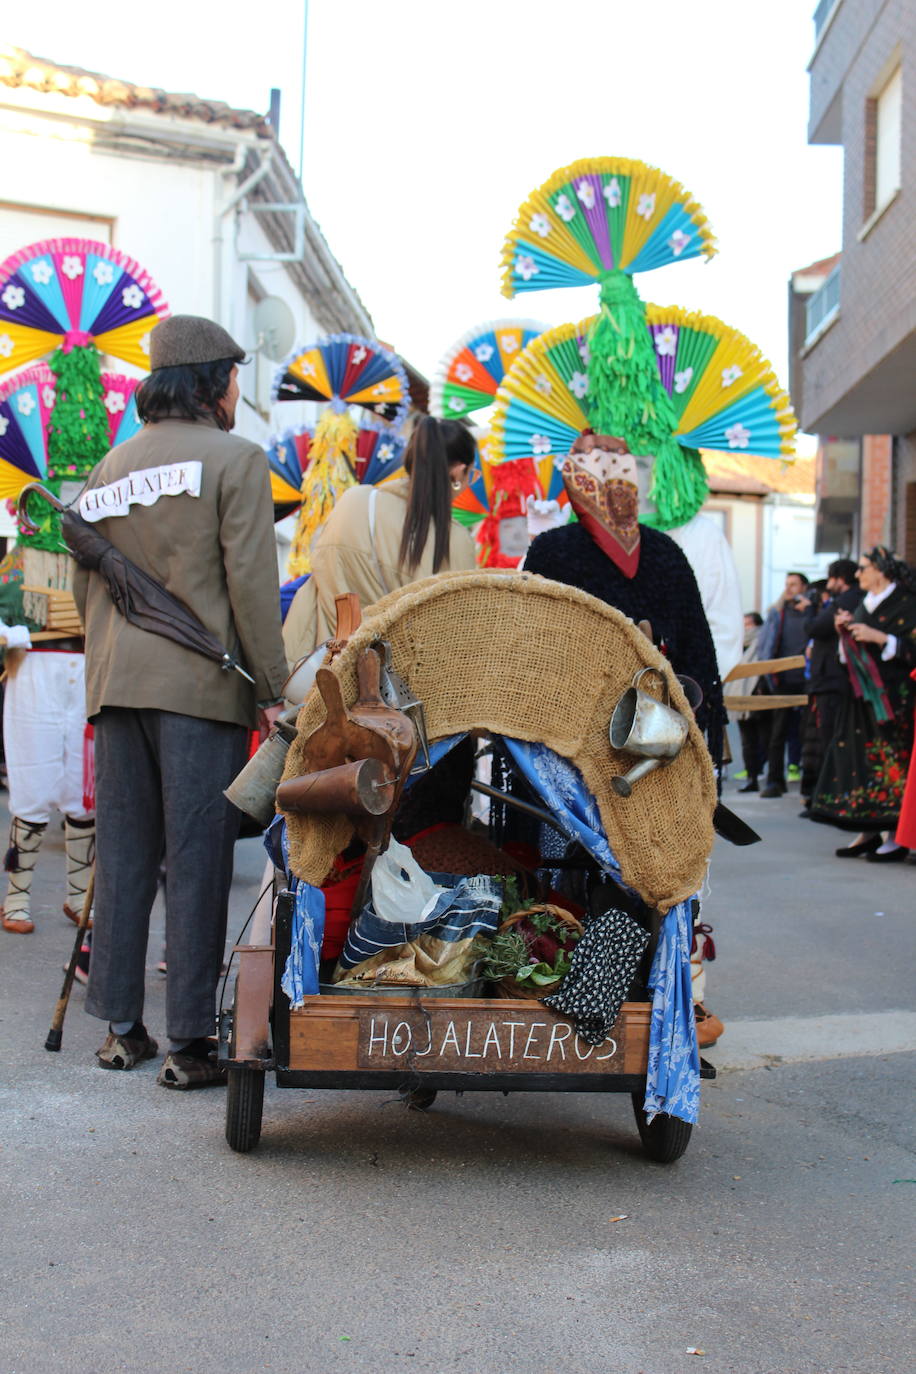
point(739, 777)
point(793, 772)
point(773, 789)
point(194, 1066)
point(709, 1027)
point(126, 1051)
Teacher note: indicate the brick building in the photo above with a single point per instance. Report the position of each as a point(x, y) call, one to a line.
point(852, 318)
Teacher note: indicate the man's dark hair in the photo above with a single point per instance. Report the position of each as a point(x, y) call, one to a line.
point(190, 392)
point(755, 616)
point(844, 568)
point(804, 579)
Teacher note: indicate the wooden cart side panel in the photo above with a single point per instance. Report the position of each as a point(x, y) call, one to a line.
point(472, 1035)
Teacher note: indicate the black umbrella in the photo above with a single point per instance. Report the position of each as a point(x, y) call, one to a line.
point(142, 600)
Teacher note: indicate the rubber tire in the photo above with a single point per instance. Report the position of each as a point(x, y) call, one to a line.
point(421, 1099)
point(244, 1107)
point(666, 1138)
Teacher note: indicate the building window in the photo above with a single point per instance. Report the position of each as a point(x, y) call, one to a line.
point(882, 145)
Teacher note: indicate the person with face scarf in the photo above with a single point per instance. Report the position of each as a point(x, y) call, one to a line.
point(634, 568)
point(861, 783)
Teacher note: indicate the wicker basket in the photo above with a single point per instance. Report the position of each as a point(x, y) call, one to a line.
point(528, 992)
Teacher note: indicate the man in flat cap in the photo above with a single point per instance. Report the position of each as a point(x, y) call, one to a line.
point(191, 505)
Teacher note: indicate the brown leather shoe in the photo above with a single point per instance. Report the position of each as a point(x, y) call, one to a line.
point(709, 1027)
point(16, 925)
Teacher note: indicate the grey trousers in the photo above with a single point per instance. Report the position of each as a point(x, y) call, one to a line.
point(159, 784)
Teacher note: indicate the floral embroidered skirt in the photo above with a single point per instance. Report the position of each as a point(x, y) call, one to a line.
point(861, 782)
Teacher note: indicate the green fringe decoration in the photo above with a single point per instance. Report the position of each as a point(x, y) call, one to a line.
point(626, 394)
point(679, 486)
point(78, 428)
point(45, 518)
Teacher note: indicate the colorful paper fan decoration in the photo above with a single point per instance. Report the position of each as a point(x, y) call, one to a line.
point(76, 292)
point(346, 370)
point(471, 370)
point(724, 393)
point(26, 405)
point(601, 215)
point(378, 456)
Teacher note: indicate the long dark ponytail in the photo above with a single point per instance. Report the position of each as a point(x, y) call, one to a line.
point(434, 447)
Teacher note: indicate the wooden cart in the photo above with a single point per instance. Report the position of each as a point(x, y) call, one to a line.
point(417, 1045)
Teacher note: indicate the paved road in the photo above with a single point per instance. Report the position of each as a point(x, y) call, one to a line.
point(481, 1236)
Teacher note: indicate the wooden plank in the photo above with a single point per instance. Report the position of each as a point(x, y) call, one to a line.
point(253, 991)
point(765, 666)
point(764, 703)
point(468, 1035)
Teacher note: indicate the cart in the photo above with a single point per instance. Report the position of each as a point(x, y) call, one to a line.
point(418, 1045)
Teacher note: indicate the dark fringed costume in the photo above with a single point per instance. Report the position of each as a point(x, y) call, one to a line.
point(864, 771)
point(664, 592)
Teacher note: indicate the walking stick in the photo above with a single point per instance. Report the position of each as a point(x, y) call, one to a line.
point(56, 1033)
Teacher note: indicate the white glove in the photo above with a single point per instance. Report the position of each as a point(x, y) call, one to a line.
point(545, 515)
point(16, 636)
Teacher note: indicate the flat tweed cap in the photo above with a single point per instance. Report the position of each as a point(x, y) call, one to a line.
point(518, 655)
point(183, 340)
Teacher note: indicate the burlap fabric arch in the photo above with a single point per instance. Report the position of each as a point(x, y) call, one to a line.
point(518, 655)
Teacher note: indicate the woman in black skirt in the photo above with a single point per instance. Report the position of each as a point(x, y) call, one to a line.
point(861, 782)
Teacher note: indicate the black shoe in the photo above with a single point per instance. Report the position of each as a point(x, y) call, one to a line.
point(750, 786)
point(805, 814)
point(852, 851)
point(890, 856)
point(774, 789)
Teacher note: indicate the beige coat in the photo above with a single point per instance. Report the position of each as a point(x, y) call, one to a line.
point(215, 552)
point(343, 560)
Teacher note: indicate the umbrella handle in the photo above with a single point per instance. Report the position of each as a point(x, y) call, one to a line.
point(25, 493)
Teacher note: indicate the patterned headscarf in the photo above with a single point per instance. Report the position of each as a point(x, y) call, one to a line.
point(891, 567)
point(602, 490)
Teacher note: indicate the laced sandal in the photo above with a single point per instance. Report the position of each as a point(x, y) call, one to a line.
point(17, 925)
point(126, 1051)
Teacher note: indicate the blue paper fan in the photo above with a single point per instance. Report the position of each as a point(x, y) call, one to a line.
point(346, 370)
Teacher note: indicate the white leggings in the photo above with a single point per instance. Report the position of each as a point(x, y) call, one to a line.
point(44, 719)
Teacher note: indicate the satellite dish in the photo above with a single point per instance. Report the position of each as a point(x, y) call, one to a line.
point(275, 328)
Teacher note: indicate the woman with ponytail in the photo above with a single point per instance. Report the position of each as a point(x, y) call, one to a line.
point(377, 539)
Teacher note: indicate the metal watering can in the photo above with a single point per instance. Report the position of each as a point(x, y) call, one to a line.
point(645, 726)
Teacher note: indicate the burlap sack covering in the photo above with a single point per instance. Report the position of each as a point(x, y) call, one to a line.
point(518, 655)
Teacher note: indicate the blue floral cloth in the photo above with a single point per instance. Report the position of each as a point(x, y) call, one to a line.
point(673, 1079)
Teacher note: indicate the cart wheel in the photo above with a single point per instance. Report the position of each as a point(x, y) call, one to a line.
point(664, 1139)
point(420, 1099)
point(244, 1107)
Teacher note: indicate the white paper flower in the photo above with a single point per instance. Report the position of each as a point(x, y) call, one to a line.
point(42, 271)
point(13, 297)
point(585, 352)
point(682, 380)
point(384, 452)
point(483, 352)
point(586, 193)
point(464, 372)
point(730, 374)
point(539, 224)
point(455, 403)
point(526, 267)
point(678, 242)
point(612, 193)
point(564, 207)
point(578, 385)
point(25, 403)
point(103, 273)
point(666, 342)
point(144, 344)
point(132, 297)
point(738, 436)
point(646, 205)
point(306, 368)
point(542, 384)
point(4, 425)
point(113, 402)
point(48, 396)
point(508, 343)
point(6, 345)
point(540, 444)
point(359, 354)
point(72, 267)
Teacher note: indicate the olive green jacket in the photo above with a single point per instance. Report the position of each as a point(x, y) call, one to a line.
point(191, 506)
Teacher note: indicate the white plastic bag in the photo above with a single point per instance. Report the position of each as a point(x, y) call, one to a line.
point(401, 892)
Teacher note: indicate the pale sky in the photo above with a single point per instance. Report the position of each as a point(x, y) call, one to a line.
point(427, 124)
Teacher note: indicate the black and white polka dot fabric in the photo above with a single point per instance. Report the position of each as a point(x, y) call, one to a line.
point(604, 963)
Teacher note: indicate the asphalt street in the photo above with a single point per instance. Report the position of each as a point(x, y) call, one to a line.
point(524, 1233)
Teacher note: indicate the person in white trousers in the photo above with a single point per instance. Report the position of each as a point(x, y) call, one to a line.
point(44, 722)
